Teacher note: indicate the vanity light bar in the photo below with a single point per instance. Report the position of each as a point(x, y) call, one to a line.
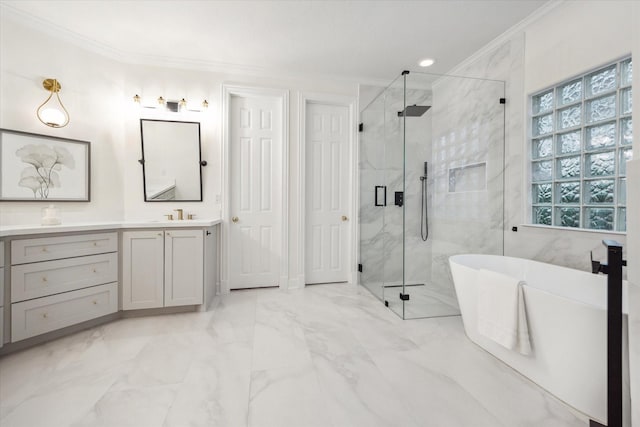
point(172, 106)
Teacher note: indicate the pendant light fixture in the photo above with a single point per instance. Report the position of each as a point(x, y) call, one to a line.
point(51, 112)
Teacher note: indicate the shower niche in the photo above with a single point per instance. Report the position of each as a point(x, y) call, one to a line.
point(431, 167)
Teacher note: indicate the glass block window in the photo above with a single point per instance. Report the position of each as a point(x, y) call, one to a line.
point(581, 139)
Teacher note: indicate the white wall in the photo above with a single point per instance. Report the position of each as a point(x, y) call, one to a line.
point(91, 92)
point(576, 37)
point(151, 82)
point(98, 94)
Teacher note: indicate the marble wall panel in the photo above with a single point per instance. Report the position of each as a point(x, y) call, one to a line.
point(468, 129)
point(397, 147)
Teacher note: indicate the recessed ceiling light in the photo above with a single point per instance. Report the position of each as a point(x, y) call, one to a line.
point(427, 62)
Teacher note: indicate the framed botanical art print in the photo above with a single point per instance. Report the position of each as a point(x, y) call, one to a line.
point(43, 168)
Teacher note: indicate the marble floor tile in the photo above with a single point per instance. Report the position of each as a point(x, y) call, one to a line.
point(215, 391)
point(325, 355)
point(76, 357)
point(287, 397)
point(355, 391)
point(58, 403)
point(164, 360)
point(279, 347)
point(134, 407)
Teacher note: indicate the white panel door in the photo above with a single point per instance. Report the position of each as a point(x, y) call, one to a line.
point(183, 267)
point(327, 193)
point(256, 191)
point(142, 269)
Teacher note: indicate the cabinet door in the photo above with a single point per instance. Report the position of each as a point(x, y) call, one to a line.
point(142, 269)
point(184, 267)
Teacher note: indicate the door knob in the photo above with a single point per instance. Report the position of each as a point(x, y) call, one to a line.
point(344, 218)
point(235, 219)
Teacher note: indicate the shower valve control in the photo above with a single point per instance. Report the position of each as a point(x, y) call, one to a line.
point(399, 198)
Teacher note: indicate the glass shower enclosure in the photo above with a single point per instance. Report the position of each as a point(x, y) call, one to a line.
point(431, 167)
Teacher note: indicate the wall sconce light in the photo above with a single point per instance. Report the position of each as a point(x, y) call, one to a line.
point(172, 106)
point(53, 113)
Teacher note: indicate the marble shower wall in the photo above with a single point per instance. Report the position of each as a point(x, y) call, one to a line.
point(382, 160)
point(371, 170)
point(461, 134)
point(418, 146)
point(569, 248)
point(468, 192)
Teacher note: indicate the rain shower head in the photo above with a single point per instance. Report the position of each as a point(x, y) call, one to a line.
point(414, 111)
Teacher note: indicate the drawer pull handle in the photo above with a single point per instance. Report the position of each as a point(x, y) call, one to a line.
point(95, 302)
point(44, 279)
point(44, 249)
point(168, 234)
point(94, 270)
point(95, 243)
point(159, 234)
point(44, 315)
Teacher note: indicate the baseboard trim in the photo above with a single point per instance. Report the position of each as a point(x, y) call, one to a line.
point(296, 283)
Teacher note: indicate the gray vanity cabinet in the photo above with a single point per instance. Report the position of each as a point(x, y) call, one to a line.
point(1, 293)
point(162, 268)
point(62, 281)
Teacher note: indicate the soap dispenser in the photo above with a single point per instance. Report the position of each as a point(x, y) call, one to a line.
point(51, 215)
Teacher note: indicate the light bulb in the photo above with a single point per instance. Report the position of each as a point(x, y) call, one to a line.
point(427, 62)
point(52, 117)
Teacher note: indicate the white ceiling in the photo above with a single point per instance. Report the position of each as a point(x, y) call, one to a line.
point(366, 40)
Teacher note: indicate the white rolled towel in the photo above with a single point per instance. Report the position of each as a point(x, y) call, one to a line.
point(501, 311)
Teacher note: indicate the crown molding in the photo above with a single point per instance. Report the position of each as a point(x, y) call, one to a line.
point(63, 34)
point(506, 36)
point(53, 30)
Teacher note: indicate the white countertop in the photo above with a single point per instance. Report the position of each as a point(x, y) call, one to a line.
point(154, 190)
point(19, 230)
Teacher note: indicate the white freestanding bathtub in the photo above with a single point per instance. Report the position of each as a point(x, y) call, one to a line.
point(567, 318)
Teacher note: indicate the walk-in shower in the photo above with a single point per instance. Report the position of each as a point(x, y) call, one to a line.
point(431, 186)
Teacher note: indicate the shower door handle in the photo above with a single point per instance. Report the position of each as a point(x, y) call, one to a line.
point(384, 198)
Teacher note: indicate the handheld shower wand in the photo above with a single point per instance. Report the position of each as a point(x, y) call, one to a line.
point(424, 205)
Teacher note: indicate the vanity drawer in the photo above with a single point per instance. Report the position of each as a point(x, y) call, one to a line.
point(40, 279)
point(50, 248)
point(37, 316)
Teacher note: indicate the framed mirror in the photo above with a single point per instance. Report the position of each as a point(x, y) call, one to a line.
point(171, 161)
